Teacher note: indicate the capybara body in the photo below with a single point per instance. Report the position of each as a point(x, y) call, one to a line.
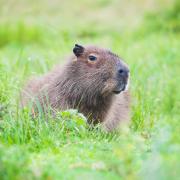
point(94, 81)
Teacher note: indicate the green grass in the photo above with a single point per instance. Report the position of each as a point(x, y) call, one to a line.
point(64, 147)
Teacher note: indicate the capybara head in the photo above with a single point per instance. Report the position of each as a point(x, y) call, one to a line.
point(99, 70)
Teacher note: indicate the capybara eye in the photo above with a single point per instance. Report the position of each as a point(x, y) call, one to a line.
point(92, 58)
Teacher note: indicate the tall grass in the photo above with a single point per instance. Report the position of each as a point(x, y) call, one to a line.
point(65, 147)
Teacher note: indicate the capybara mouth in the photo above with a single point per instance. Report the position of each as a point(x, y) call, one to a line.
point(116, 92)
point(120, 87)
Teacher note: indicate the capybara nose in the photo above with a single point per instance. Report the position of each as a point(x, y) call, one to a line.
point(123, 72)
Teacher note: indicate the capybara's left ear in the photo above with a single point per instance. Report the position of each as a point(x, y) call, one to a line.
point(78, 50)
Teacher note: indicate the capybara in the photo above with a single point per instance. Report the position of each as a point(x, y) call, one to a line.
point(94, 81)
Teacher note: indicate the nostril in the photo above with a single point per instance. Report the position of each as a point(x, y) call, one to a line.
point(121, 71)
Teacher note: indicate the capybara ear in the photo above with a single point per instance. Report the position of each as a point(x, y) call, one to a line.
point(78, 50)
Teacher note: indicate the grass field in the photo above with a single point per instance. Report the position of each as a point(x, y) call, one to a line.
point(34, 36)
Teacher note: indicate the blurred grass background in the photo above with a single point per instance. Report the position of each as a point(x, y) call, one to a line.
point(35, 35)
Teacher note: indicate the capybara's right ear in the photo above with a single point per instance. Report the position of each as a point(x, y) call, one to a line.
point(78, 50)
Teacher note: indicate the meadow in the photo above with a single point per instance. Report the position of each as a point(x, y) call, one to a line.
point(36, 35)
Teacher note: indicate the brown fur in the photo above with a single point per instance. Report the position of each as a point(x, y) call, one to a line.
point(85, 85)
